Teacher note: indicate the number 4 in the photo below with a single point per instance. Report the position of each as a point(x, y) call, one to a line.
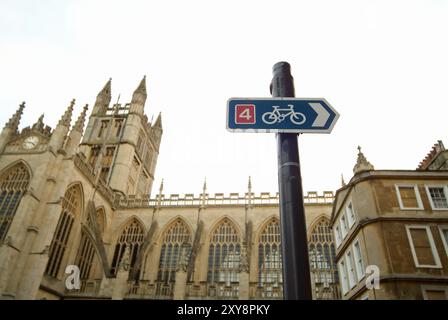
point(246, 114)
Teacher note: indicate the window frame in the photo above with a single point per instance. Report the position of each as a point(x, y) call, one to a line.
point(351, 272)
point(444, 241)
point(417, 196)
point(224, 269)
point(351, 219)
point(104, 125)
point(131, 236)
point(14, 183)
point(433, 288)
point(337, 235)
point(434, 252)
point(344, 225)
point(60, 246)
point(343, 279)
point(431, 202)
point(360, 273)
point(176, 244)
point(269, 238)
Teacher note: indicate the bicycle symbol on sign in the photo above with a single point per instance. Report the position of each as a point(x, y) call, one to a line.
point(277, 115)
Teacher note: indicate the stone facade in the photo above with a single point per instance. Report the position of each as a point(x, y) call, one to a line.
point(71, 196)
point(397, 222)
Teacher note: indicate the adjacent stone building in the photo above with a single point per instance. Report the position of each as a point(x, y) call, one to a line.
point(75, 197)
point(394, 222)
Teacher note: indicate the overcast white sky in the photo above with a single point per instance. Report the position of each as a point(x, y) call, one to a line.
point(383, 65)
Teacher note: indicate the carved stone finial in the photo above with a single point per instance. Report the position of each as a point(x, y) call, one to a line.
point(203, 194)
point(161, 188)
point(204, 187)
point(67, 116)
point(362, 164)
point(158, 123)
point(106, 91)
point(39, 125)
point(142, 86)
point(139, 95)
point(14, 121)
point(79, 124)
point(159, 196)
point(343, 184)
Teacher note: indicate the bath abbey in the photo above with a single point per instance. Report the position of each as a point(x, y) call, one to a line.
point(81, 194)
point(75, 196)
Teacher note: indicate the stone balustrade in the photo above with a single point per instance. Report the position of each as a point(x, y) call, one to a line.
point(218, 199)
point(268, 291)
point(88, 288)
point(222, 290)
point(144, 289)
point(86, 169)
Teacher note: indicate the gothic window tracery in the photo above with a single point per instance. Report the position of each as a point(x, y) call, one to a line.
point(71, 208)
point(269, 256)
point(86, 251)
point(322, 255)
point(84, 259)
point(132, 236)
point(13, 184)
point(224, 254)
point(176, 244)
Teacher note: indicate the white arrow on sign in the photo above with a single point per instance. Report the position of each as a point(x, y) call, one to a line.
point(322, 114)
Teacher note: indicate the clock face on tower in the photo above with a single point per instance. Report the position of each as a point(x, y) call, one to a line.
point(30, 142)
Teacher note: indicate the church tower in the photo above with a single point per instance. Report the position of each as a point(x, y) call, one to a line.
point(121, 143)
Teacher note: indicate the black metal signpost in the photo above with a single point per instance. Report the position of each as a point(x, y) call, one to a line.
point(296, 269)
point(288, 116)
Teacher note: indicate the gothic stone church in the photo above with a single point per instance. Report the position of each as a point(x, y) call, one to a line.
point(70, 196)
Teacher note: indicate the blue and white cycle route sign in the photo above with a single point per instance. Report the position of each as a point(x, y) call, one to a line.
point(298, 115)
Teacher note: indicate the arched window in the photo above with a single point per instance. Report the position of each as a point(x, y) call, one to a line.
point(86, 250)
point(84, 259)
point(132, 237)
point(322, 261)
point(224, 254)
point(13, 184)
point(269, 256)
point(177, 239)
point(71, 208)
